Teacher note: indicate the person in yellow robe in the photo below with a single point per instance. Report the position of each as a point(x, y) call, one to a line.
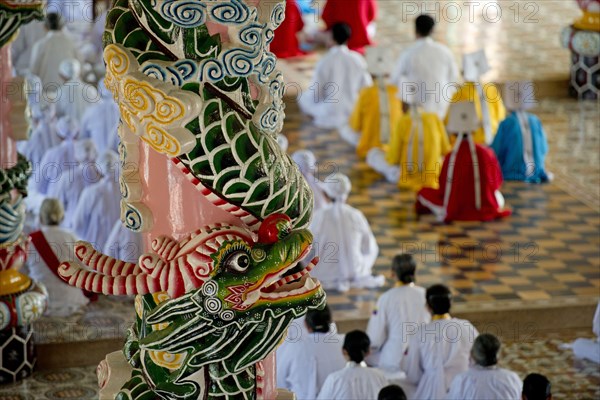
point(488, 101)
point(378, 108)
point(417, 145)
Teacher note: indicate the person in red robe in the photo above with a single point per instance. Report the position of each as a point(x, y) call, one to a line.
point(470, 179)
point(285, 43)
point(358, 14)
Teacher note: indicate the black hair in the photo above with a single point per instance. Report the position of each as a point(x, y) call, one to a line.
point(319, 320)
point(341, 32)
point(404, 266)
point(356, 344)
point(391, 392)
point(536, 387)
point(439, 299)
point(424, 25)
point(485, 350)
point(53, 22)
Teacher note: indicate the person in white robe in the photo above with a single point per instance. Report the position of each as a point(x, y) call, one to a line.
point(124, 244)
point(99, 205)
point(429, 64)
point(343, 240)
point(536, 387)
point(59, 159)
point(356, 381)
point(71, 183)
point(43, 135)
point(63, 299)
point(589, 349)
point(47, 54)
point(339, 77)
point(304, 362)
point(307, 163)
point(100, 120)
point(400, 310)
point(439, 350)
point(74, 96)
point(22, 47)
point(484, 379)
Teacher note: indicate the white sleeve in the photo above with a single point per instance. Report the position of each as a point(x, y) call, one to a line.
point(414, 371)
point(455, 391)
point(369, 247)
point(376, 329)
point(399, 71)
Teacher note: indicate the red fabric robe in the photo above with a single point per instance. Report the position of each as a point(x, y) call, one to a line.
point(461, 203)
point(285, 43)
point(356, 13)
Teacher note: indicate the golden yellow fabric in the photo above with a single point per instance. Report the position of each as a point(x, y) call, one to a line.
point(436, 146)
point(468, 92)
point(366, 118)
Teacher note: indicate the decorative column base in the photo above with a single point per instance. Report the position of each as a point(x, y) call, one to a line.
point(17, 354)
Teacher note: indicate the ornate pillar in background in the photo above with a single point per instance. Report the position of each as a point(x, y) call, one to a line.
point(223, 208)
point(583, 39)
point(22, 301)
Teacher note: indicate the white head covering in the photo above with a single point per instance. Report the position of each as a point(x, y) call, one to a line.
point(67, 128)
point(70, 69)
point(379, 61)
point(85, 151)
point(519, 96)
point(109, 163)
point(475, 65)
point(306, 161)
point(283, 142)
point(337, 186)
point(463, 120)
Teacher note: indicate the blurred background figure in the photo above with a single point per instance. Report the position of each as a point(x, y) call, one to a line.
point(101, 120)
point(74, 96)
point(51, 246)
point(307, 163)
point(285, 44)
point(536, 387)
point(359, 15)
point(49, 52)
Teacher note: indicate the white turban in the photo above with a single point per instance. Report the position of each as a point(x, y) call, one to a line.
point(85, 151)
point(70, 69)
point(306, 161)
point(337, 186)
point(67, 128)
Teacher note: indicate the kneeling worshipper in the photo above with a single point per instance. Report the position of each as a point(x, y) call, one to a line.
point(59, 159)
point(356, 380)
point(439, 350)
point(52, 245)
point(124, 244)
point(99, 204)
point(43, 132)
point(589, 349)
point(418, 144)
point(484, 379)
point(339, 76)
point(307, 163)
point(359, 15)
point(71, 183)
point(285, 42)
point(74, 96)
point(470, 180)
point(343, 241)
point(100, 121)
point(520, 143)
point(398, 308)
point(391, 392)
point(536, 387)
point(377, 109)
point(305, 361)
point(486, 97)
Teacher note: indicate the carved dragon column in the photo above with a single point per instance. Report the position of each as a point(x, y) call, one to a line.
point(583, 39)
point(22, 301)
point(224, 210)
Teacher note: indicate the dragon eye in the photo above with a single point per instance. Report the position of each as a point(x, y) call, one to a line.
point(238, 262)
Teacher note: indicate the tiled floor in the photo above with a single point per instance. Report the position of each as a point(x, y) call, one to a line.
point(547, 250)
point(571, 379)
point(521, 37)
